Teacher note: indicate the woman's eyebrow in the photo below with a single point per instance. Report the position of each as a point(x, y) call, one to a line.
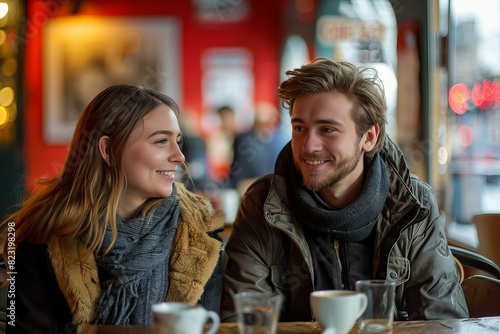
point(161, 132)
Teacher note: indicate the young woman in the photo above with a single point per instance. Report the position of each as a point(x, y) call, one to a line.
point(113, 233)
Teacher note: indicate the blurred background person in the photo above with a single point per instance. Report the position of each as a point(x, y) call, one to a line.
point(220, 146)
point(255, 151)
point(194, 174)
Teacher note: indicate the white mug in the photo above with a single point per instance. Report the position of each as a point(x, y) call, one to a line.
point(182, 318)
point(337, 310)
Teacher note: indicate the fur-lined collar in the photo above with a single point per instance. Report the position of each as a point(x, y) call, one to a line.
point(193, 259)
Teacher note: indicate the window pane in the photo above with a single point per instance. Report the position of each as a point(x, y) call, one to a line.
point(473, 101)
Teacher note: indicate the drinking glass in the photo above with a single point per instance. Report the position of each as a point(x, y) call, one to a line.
point(258, 312)
point(378, 315)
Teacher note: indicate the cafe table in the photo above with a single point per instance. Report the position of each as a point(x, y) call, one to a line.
point(489, 325)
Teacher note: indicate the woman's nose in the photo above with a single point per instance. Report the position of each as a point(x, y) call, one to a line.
point(177, 155)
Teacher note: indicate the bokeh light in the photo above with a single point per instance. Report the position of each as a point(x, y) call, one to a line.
point(486, 94)
point(442, 155)
point(6, 96)
point(9, 66)
point(465, 135)
point(4, 116)
point(458, 96)
point(4, 9)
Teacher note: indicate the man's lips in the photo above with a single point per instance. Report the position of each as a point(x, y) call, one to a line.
point(314, 162)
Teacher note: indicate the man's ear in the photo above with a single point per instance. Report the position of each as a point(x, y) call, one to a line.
point(370, 138)
point(103, 148)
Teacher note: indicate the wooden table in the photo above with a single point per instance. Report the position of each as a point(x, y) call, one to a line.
point(489, 325)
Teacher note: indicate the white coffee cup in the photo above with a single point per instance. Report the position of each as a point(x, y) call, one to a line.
point(182, 318)
point(337, 310)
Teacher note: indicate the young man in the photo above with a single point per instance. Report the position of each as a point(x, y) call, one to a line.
point(341, 206)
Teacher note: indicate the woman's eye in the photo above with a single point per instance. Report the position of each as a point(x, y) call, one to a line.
point(161, 141)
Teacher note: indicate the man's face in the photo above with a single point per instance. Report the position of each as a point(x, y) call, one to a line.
point(326, 149)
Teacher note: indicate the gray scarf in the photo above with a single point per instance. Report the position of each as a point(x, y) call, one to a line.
point(134, 274)
point(353, 223)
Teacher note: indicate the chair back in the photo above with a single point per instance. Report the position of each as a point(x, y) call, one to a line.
point(460, 267)
point(467, 258)
point(482, 294)
point(488, 234)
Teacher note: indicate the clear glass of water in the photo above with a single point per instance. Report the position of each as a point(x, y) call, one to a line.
point(258, 312)
point(378, 315)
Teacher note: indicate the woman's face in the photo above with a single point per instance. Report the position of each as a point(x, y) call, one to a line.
point(150, 159)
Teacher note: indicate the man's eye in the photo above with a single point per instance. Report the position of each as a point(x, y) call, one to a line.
point(298, 128)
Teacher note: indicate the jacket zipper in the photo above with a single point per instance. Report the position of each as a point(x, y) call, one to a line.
point(336, 246)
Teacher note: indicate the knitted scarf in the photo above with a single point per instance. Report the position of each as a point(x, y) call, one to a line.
point(353, 223)
point(134, 274)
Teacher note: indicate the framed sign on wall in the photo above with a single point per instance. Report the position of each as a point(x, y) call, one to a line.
point(85, 54)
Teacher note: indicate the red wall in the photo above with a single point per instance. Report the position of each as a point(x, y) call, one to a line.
point(260, 33)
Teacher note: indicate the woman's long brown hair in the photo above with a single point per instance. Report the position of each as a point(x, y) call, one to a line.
point(81, 200)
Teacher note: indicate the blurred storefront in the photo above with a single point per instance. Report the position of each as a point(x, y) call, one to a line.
point(439, 61)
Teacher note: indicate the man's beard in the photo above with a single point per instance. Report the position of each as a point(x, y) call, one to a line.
point(337, 172)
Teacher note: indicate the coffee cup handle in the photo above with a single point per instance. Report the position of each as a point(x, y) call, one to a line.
point(364, 304)
point(215, 322)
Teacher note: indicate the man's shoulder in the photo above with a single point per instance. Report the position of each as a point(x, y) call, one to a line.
point(262, 183)
point(257, 192)
point(420, 185)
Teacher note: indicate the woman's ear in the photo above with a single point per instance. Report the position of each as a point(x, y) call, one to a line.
point(103, 148)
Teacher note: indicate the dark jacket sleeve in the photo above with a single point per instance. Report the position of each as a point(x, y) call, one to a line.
point(433, 290)
point(249, 250)
point(210, 299)
point(37, 304)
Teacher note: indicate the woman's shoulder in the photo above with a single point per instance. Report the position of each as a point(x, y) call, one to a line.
point(32, 260)
point(197, 210)
point(31, 250)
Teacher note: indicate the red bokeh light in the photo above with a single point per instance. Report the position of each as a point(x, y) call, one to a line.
point(465, 135)
point(486, 95)
point(458, 96)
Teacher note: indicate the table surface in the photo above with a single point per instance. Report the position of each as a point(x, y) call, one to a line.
point(456, 326)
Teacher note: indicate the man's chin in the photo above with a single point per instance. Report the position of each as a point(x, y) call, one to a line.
point(312, 185)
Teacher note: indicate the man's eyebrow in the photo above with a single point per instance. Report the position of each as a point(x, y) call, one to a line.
point(319, 121)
